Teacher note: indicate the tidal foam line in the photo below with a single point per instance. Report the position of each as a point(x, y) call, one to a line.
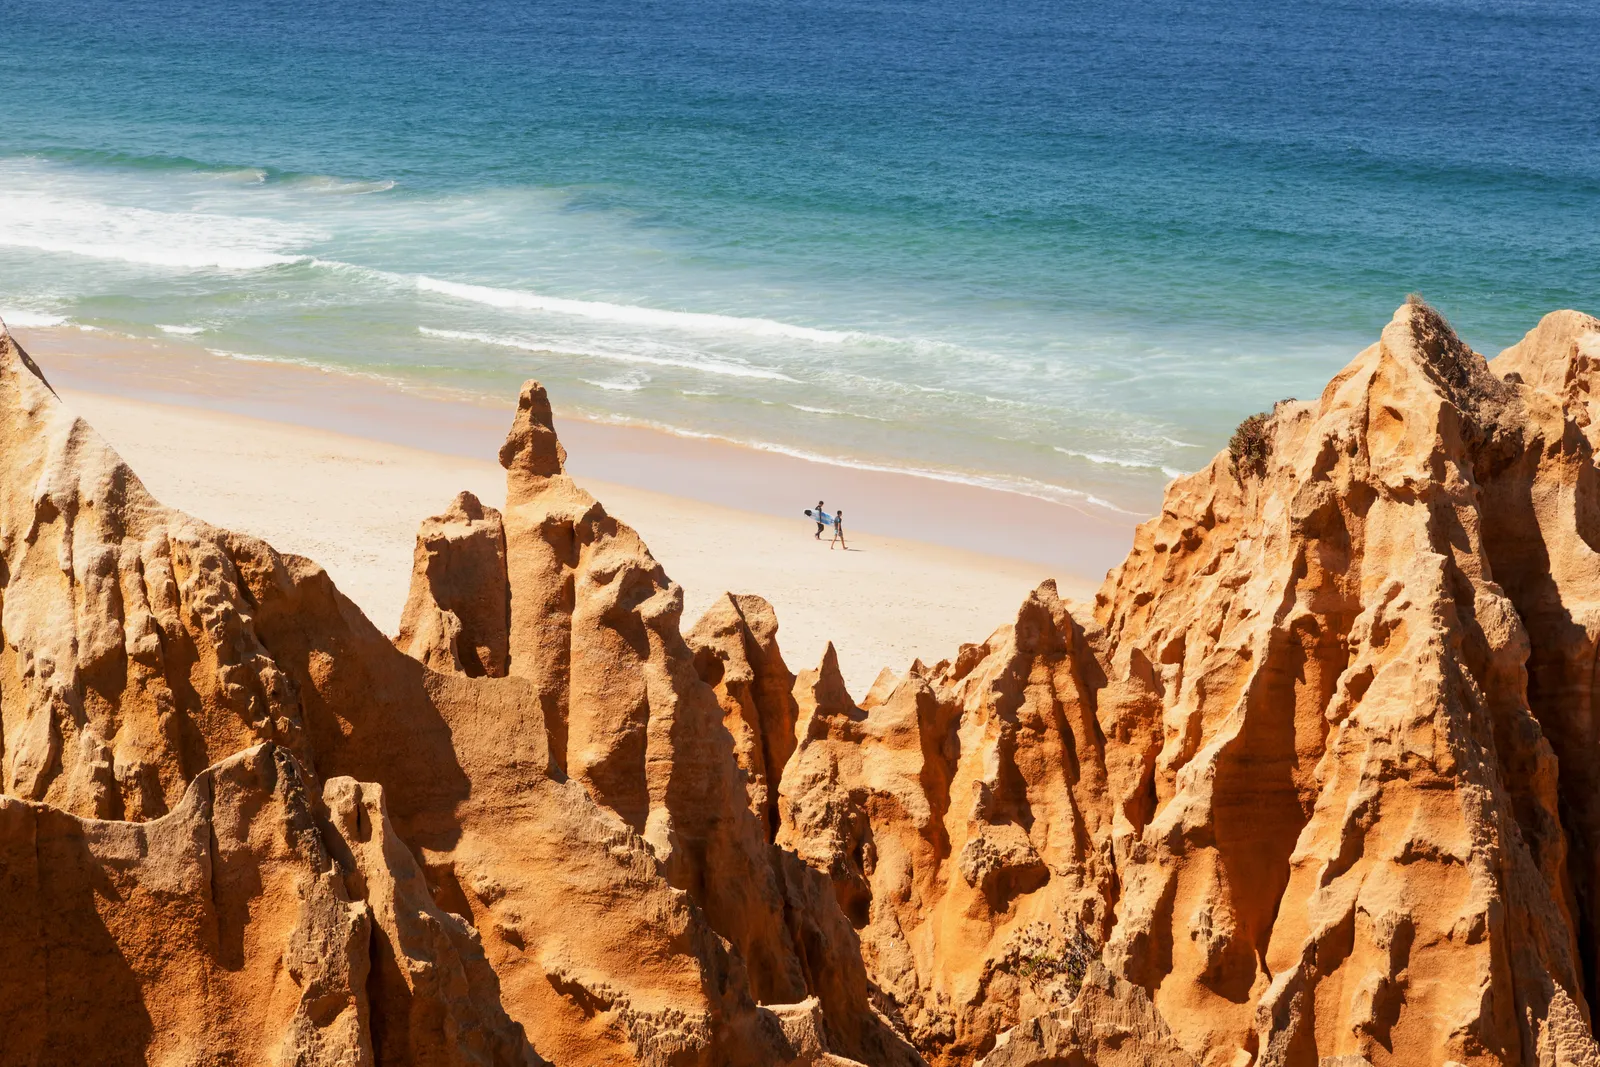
point(835, 411)
point(527, 344)
point(1053, 494)
point(172, 239)
point(1109, 461)
point(629, 314)
point(30, 320)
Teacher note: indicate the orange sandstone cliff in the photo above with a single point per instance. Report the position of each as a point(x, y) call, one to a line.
point(1315, 780)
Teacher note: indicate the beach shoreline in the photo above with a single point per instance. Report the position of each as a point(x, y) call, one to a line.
point(1078, 539)
point(309, 461)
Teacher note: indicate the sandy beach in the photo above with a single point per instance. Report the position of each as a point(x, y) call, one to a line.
point(254, 447)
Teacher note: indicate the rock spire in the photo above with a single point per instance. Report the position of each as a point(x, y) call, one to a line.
point(1310, 782)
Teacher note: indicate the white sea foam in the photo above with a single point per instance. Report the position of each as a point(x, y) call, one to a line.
point(1118, 461)
point(293, 361)
point(369, 274)
point(245, 357)
point(394, 382)
point(30, 320)
point(618, 387)
point(647, 357)
point(630, 314)
point(1110, 461)
point(841, 414)
point(181, 331)
point(240, 175)
point(1006, 402)
point(180, 240)
point(1055, 494)
point(323, 183)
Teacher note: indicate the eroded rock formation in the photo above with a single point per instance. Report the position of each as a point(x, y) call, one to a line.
point(458, 615)
point(1312, 781)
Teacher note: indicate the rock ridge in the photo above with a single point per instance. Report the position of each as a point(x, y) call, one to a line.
point(1311, 781)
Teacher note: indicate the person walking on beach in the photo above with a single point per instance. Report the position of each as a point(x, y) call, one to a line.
point(838, 532)
point(818, 514)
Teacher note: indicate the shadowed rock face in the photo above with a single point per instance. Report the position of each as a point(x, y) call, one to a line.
point(458, 613)
point(1313, 780)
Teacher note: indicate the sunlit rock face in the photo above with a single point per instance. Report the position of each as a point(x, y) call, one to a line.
point(1313, 780)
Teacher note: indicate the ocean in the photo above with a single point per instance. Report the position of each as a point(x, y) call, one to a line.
point(1057, 248)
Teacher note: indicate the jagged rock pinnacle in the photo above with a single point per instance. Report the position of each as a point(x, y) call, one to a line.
point(1312, 781)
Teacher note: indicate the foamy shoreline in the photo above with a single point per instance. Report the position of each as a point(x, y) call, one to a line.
point(311, 463)
point(924, 506)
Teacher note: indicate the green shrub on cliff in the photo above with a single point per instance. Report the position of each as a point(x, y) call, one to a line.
point(1251, 444)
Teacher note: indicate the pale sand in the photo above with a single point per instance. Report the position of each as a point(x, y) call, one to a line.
point(353, 505)
point(1067, 539)
point(341, 467)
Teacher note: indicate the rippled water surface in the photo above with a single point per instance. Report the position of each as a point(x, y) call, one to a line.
point(1060, 247)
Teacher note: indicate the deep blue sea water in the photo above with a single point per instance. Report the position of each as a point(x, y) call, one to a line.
point(1061, 247)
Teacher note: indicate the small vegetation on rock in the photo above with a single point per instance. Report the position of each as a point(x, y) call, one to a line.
point(1046, 958)
point(1472, 385)
point(1251, 444)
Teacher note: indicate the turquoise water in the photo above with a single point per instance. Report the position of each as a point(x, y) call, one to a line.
point(1061, 248)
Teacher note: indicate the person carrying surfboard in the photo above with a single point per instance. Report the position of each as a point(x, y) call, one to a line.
point(818, 515)
point(838, 532)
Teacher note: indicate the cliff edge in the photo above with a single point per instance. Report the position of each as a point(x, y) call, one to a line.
point(1311, 781)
